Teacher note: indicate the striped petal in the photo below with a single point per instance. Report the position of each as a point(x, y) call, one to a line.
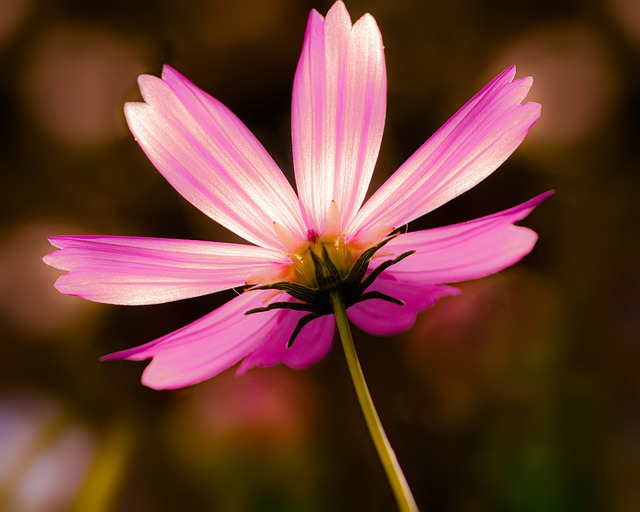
point(207, 346)
point(383, 318)
point(134, 271)
point(468, 250)
point(469, 147)
point(338, 111)
point(212, 159)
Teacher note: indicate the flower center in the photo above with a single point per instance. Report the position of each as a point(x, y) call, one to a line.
point(324, 268)
point(322, 263)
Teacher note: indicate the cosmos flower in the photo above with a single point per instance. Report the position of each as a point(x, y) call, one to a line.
point(323, 240)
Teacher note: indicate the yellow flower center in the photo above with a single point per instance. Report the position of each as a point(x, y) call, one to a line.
point(335, 256)
point(323, 267)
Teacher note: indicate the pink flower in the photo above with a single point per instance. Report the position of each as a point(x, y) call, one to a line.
point(322, 240)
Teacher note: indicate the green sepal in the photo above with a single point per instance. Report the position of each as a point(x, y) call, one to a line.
point(382, 296)
point(301, 323)
point(381, 268)
point(352, 288)
point(297, 291)
point(297, 306)
point(361, 265)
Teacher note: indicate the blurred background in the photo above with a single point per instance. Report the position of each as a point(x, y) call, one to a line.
point(522, 394)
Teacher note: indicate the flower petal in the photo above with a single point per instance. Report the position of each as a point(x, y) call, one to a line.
point(383, 318)
point(467, 250)
point(207, 346)
point(134, 271)
point(469, 147)
point(312, 344)
point(338, 111)
point(212, 159)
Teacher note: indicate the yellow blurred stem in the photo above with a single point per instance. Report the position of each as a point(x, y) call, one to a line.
point(104, 479)
point(396, 478)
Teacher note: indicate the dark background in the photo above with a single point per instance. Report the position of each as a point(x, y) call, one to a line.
point(520, 395)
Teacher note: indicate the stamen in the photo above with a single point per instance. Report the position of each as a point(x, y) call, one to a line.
point(312, 236)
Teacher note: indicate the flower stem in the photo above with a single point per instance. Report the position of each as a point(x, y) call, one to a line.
point(387, 456)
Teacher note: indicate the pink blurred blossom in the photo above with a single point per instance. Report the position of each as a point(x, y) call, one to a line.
point(45, 456)
point(338, 113)
point(562, 56)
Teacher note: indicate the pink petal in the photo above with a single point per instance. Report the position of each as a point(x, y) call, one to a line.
point(212, 159)
point(469, 147)
point(209, 345)
point(468, 250)
point(134, 271)
point(312, 344)
point(338, 112)
point(384, 318)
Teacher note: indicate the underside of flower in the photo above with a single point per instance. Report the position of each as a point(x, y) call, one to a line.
point(322, 247)
point(325, 268)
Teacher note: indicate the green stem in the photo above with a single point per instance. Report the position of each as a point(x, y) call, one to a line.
point(396, 478)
